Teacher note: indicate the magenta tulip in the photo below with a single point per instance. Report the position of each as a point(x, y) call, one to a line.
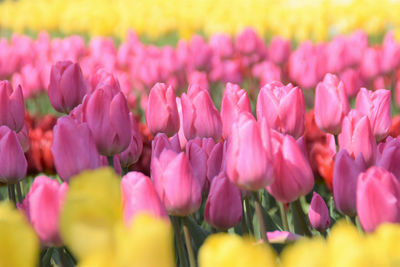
point(103, 78)
point(318, 214)
point(388, 156)
point(130, 155)
point(12, 107)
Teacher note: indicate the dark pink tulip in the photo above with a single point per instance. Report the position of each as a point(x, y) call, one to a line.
point(23, 138)
point(345, 177)
point(224, 203)
point(370, 65)
point(73, 148)
point(67, 86)
point(161, 111)
point(43, 205)
point(139, 196)
point(331, 104)
point(234, 101)
point(293, 174)
point(283, 107)
point(130, 155)
point(215, 162)
point(389, 155)
point(378, 198)
point(103, 78)
point(12, 107)
point(318, 213)
point(107, 116)
point(12, 159)
point(198, 161)
point(279, 50)
point(200, 116)
point(376, 105)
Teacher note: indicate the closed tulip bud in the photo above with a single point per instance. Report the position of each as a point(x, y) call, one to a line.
point(139, 196)
point(73, 148)
point(67, 86)
point(293, 174)
point(318, 214)
point(130, 155)
point(345, 177)
point(248, 164)
point(200, 116)
point(224, 203)
point(357, 137)
point(103, 78)
point(12, 159)
point(107, 116)
point(376, 105)
point(12, 107)
point(161, 111)
point(283, 107)
point(43, 205)
point(234, 101)
point(331, 104)
point(389, 155)
point(378, 198)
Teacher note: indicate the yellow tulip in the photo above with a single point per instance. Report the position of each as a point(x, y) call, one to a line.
point(305, 253)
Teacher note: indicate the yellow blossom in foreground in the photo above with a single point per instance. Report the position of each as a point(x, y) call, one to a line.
point(305, 253)
point(19, 245)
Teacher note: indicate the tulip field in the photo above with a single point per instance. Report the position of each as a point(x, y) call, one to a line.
point(199, 133)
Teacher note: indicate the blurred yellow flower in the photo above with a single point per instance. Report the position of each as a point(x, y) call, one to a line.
point(305, 253)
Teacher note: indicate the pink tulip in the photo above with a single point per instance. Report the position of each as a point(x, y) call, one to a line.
point(318, 214)
point(43, 205)
point(388, 156)
point(200, 117)
point(67, 86)
point(378, 198)
point(352, 82)
point(73, 148)
point(161, 111)
point(215, 162)
point(303, 65)
point(139, 196)
point(224, 203)
point(279, 50)
point(200, 78)
point(234, 101)
point(283, 107)
point(130, 155)
point(376, 105)
point(281, 237)
point(371, 63)
point(331, 104)
point(390, 52)
point(222, 45)
point(103, 78)
point(198, 161)
point(345, 177)
point(12, 107)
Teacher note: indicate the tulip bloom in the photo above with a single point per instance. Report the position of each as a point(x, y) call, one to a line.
point(73, 148)
point(43, 205)
point(331, 104)
point(378, 198)
point(67, 86)
point(161, 110)
point(389, 156)
point(198, 161)
point(376, 105)
point(318, 214)
point(130, 155)
point(224, 203)
point(103, 78)
point(283, 107)
point(12, 107)
point(279, 50)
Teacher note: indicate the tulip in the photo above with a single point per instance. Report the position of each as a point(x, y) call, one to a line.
point(139, 196)
point(12, 108)
point(108, 119)
point(103, 78)
point(43, 205)
point(73, 148)
point(376, 105)
point(198, 161)
point(318, 214)
point(352, 81)
point(378, 198)
point(390, 52)
point(371, 63)
point(293, 174)
point(283, 107)
point(200, 117)
point(67, 86)
point(249, 166)
point(130, 155)
point(215, 162)
point(234, 101)
point(279, 50)
point(345, 177)
point(331, 104)
point(388, 155)
point(357, 137)
point(224, 203)
point(281, 237)
point(222, 45)
point(161, 111)
point(303, 65)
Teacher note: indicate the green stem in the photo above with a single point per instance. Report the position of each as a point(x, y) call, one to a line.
point(336, 140)
point(284, 217)
point(63, 257)
point(243, 223)
point(249, 216)
point(299, 219)
point(19, 192)
point(258, 208)
point(110, 160)
point(179, 241)
point(188, 240)
point(11, 193)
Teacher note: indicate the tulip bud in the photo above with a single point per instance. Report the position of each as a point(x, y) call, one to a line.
point(389, 156)
point(73, 148)
point(318, 214)
point(200, 117)
point(139, 196)
point(103, 78)
point(12, 108)
point(130, 155)
point(283, 107)
point(107, 116)
point(67, 86)
point(224, 203)
point(378, 198)
point(345, 177)
point(331, 104)
point(43, 205)
point(12, 159)
point(376, 105)
point(161, 111)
